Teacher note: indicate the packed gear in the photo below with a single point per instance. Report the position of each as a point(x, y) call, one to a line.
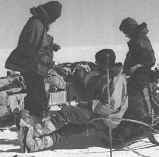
point(82, 112)
point(135, 111)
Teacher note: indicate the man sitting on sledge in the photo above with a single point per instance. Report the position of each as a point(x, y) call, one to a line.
point(36, 135)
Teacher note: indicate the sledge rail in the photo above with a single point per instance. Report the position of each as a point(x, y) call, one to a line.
point(122, 119)
point(126, 120)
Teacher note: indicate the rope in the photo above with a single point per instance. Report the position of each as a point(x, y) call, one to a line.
point(126, 120)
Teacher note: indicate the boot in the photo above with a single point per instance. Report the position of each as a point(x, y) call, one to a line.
point(48, 126)
point(34, 144)
point(38, 143)
point(45, 126)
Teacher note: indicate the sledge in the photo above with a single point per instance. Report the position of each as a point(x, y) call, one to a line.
point(132, 126)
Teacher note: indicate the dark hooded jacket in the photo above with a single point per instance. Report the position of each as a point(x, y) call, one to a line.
point(34, 52)
point(140, 50)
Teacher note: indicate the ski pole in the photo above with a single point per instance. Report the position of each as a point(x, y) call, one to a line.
point(108, 94)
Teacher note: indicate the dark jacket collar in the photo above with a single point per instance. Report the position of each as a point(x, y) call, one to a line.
point(141, 30)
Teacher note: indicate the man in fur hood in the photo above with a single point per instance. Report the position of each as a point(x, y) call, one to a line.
point(140, 57)
point(33, 56)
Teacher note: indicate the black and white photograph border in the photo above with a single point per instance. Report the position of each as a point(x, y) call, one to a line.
point(79, 78)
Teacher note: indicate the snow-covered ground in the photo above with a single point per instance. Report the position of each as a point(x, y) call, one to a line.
point(8, 138)
point(9, 148)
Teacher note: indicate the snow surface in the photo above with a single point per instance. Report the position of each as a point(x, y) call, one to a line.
point(8, 138)
point(9, 148)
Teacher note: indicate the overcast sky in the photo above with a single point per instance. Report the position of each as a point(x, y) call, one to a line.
point(83, 22)
point(84, 27)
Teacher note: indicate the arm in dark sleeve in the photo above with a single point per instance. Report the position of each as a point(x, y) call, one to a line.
point(146, 54)
point(36, 32)
point(31, 36)
point(127, 63)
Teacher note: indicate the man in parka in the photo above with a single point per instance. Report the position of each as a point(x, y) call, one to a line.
point(33, 56)
point(140, 57)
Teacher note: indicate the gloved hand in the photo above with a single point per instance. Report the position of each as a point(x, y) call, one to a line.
point(134, 68)
point(102, 109)
point(56, 47)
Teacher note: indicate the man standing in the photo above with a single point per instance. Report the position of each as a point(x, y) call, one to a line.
point(33, 56)
point(140, 57)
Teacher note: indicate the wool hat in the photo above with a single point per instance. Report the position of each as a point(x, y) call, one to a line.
point(51, 10)
point(105, 57)
point(128, 25)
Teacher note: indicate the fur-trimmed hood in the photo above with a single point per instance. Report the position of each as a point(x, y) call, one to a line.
point(47, 12)
point(141, 30)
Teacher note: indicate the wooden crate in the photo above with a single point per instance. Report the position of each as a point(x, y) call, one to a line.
point(58, 98)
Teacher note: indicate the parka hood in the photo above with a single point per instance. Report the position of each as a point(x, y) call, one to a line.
point(47, 12)
point(141, 29)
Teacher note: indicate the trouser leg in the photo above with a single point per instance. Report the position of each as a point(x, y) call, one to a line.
point(36, 100)
point(143, 79)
